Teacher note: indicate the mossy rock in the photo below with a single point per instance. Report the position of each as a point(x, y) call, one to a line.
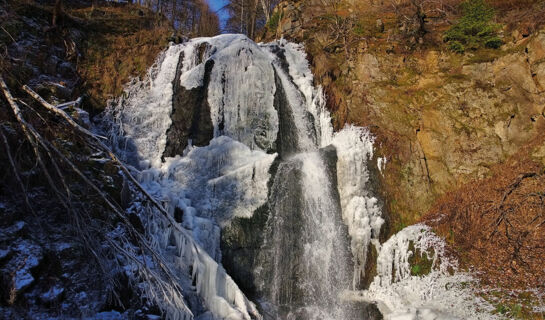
point(420, 262)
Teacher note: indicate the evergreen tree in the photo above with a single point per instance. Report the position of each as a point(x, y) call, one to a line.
point(475, 29)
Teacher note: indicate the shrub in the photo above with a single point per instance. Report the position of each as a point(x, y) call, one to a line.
point(272, 24)
point(475, 29)
point(456, 46)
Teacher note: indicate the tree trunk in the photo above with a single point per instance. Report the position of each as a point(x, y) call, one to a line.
point(173, 14)
point(57, 12)
point(266, 9)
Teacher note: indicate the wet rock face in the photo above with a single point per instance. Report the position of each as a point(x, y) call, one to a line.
point(283, 231)
point(241, 242)
point(190, 115)
point(287, 137)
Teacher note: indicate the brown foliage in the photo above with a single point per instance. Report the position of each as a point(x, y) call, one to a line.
point(497, 225)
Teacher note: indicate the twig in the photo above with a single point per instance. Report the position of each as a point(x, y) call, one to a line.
point(74, 103)
point(112, 156)
point(112, 204)
point(38, 141)
point(6, 31)
point(506, 194)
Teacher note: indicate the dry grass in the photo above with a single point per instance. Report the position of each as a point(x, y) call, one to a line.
point(524, 15)
point(123, 42)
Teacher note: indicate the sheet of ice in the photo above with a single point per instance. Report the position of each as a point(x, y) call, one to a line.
point(142, 115)
point(361, 211)
point(207, 277)
point(212, 185)
point(248, 114)
point(192, 72)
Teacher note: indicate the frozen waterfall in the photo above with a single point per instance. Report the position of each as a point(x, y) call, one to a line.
point(222, 127)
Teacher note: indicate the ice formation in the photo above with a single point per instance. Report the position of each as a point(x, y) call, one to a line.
point(442, 294)
point(208, 279)
point(209, 185)
point(245, 115)
point(361, 211)
point(141, 138)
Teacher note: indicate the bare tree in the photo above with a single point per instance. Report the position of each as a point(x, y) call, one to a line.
point(57, 12)
point(414, 14)
point(248, 16)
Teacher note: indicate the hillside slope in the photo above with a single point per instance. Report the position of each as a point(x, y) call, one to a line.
point(66, 243)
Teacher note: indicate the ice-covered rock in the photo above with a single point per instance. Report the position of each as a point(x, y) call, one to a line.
point(443, 293)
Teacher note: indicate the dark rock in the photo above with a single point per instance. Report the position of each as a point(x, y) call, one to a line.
point(50, 66)
point(53, 295)
point(287, 141)
point(371, 312)
point(136, 223)
point(178, 214)
point(190, 114)
point(12, 231)
point(66, 69)
point(241, 241)
point(177, 38)
point(4, 254)
point(53, 90)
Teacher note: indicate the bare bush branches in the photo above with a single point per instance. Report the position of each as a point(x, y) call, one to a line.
point(498, 224)
point(15, 171)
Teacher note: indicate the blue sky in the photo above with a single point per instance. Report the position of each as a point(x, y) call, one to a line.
point(216, 5)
